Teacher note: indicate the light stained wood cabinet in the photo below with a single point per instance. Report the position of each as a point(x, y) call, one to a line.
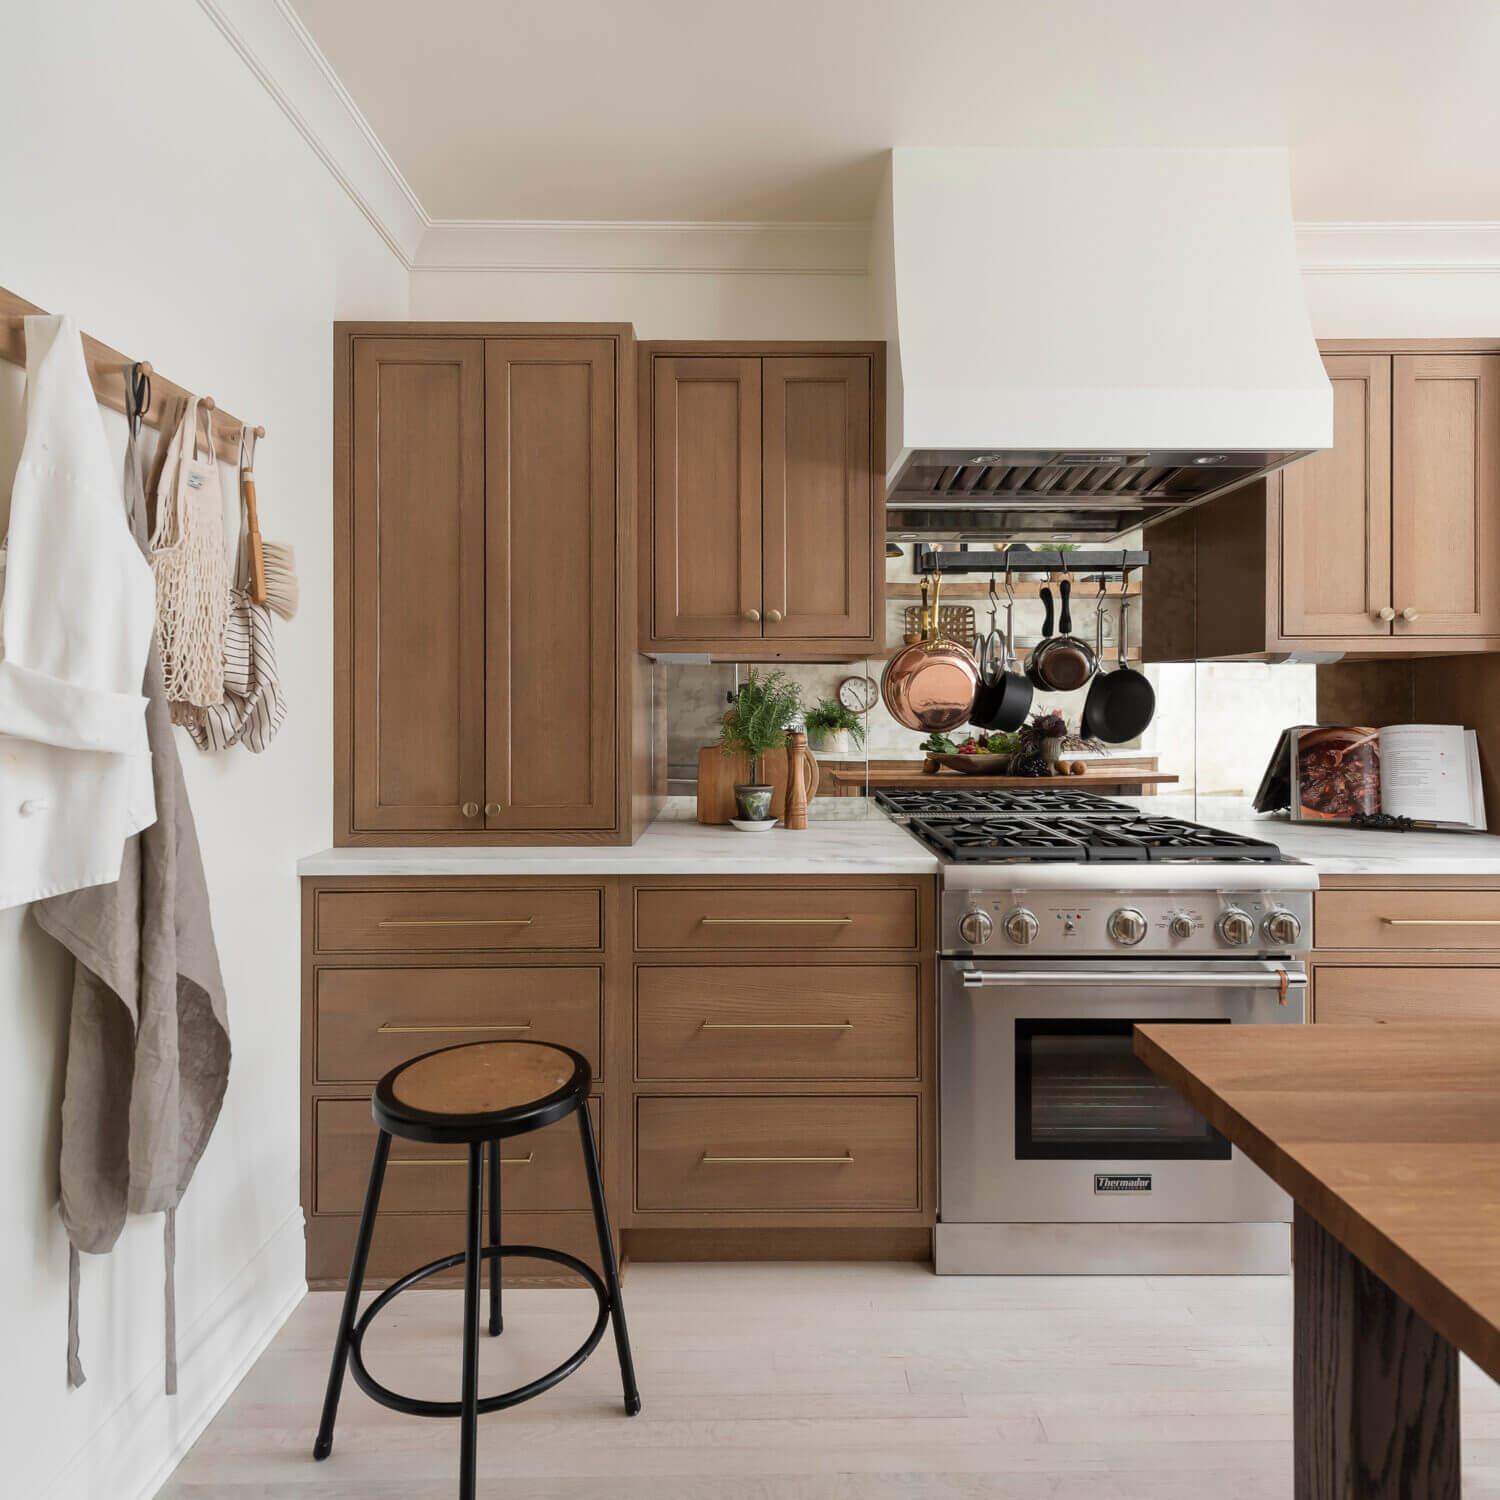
point(763, 500)
point(1386, 544)
point(1370, 996)
point(485, 683)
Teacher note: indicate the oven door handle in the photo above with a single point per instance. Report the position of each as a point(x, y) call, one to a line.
point(1274, 979)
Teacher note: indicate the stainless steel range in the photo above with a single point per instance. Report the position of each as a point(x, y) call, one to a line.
point(1066, 920)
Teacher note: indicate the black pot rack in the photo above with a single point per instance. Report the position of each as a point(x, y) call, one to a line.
point(1015, 560)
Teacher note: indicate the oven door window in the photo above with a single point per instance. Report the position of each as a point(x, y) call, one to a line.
point(1083, 1094)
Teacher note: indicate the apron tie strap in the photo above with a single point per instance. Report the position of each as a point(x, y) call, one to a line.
point(76, 1377)
point(169, 1289)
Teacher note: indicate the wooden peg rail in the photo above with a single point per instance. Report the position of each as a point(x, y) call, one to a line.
point(104, 367)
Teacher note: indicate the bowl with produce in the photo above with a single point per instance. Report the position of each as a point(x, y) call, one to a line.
point(980, 755)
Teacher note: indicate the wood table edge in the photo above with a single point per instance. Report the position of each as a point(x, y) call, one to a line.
point(1442, 1307)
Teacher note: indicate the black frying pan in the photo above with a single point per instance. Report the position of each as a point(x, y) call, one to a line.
point(1120, 703)
point(1004, 704)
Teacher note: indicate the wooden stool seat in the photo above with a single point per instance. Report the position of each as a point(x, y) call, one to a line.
point(481, 1091)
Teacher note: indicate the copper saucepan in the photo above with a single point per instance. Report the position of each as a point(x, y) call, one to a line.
point(931, 683)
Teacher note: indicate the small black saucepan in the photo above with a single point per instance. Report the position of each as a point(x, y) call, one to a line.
point(1002, 705)
point(1120, 703)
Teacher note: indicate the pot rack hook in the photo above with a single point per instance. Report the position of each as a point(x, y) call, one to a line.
point(140, 393)
point(1010, 590)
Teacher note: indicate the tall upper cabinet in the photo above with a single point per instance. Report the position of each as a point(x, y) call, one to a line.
point(486, 684)
point(763, 500)
point(1386, 544)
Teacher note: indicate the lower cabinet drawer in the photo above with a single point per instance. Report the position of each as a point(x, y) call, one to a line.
point(1405, 993)
point(730, 1022)
point(541, 1172)
point(1405, 919)
point(773, 915)
point(369, 1020)
point(752, 1154)
point(477, 920)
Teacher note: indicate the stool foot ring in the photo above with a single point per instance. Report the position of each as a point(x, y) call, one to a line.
point(416, 1407)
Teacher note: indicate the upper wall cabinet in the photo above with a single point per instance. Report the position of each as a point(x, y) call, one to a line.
point(1386, 544)
point(485, 584)
point(764, 518)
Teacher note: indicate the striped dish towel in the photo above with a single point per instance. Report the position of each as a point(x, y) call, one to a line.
point(254, 705)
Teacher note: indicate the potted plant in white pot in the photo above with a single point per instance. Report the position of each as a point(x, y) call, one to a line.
point(767, 704)
point(833, 729)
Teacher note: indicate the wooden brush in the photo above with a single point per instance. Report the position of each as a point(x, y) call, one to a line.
point(273, 565)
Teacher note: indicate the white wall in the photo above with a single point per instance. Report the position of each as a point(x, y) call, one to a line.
point(150, 187)
point(662, 305)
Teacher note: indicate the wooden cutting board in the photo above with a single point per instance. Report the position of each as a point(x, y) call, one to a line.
point(719, 774)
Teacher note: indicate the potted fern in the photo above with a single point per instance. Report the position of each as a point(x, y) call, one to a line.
point(831, 727)
point(767, 704)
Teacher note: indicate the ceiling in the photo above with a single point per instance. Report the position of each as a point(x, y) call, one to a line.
point(782, 110)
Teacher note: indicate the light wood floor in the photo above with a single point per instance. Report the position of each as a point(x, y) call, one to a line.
point(800, 1382)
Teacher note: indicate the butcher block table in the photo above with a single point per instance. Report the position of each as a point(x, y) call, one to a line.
point(1389, 1144)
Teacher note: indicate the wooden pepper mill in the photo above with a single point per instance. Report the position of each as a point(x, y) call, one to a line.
point(799, 763)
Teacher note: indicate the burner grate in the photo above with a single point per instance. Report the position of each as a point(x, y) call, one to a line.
point(961, 802)
point(1097, 839)
point(986, 840)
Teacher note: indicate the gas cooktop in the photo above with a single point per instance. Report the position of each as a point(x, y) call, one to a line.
point(968, 802)
point(1110, 838)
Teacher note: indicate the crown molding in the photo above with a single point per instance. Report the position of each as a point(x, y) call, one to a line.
point(1432, 248)
point(277, 48)
point(583, 247)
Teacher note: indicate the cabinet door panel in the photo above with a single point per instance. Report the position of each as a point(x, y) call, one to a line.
point(1446, 453)
point(1405, 993)
point(550, 543)
point(1336, 512)
point(706, 498)
point(418, 582)
point(817, 498)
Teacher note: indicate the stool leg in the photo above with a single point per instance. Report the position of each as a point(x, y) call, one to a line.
point(468, 1414)
point(323, 1446)
point(495, 1321)
point(607, 1255)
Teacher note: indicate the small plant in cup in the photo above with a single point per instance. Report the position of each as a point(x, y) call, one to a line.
point(833, 729)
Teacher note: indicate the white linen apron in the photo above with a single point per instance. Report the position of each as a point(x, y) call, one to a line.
point(77, 606)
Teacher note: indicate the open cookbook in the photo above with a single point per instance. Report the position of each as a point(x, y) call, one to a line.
point(1335, 773)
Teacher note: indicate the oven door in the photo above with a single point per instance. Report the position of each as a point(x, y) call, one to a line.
point(1046, 1114)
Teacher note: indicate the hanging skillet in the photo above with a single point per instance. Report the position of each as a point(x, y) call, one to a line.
point(1060, 663)
point(1004, 703)
point(930, 685)
point(1120, 703)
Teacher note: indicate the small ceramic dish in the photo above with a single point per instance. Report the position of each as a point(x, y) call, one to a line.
point(754, 825)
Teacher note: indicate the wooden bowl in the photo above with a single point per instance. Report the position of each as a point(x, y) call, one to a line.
point(975, 765)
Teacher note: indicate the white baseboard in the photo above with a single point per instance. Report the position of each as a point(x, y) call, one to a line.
point(133, 1452)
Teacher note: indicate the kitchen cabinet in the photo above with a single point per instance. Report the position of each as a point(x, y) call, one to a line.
point(763, 500)
point(485, 681)
point(784, 1024)
point(1386, 544)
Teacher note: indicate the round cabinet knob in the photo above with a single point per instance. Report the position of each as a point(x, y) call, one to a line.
point(1385, 613)
point(1410, 614)
point(975, 927)
point(471, 809)
point(1021, 926)
point(492, 809)
point(1180, 926)
point(1127, 926)
point(1236, 928)
point(774, 616)
point(1282, 928)
point(753, 616)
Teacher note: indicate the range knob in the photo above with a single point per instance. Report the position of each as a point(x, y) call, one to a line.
point(1236, 927)
point(1126, 926)
point(1021, 926)
point(1282, 928)
point(975, 927)
point(1181, 926)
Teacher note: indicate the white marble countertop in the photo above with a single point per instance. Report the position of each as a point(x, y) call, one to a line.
point(860, 842)
point(1341, 850)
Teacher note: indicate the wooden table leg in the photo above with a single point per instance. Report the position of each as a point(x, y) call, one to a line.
point(1375, 1390)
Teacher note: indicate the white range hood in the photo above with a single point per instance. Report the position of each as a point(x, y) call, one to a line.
point(1084, 341)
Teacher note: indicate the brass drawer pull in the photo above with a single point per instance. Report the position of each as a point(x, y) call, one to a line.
point(454, 922)
point(775, 921)
point(847, 1160)
point(390, 1028)
point(1441, 921)
point(454, 1161)
point(776, 1026)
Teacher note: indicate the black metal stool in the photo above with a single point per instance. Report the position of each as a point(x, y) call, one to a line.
point(474, 1095)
